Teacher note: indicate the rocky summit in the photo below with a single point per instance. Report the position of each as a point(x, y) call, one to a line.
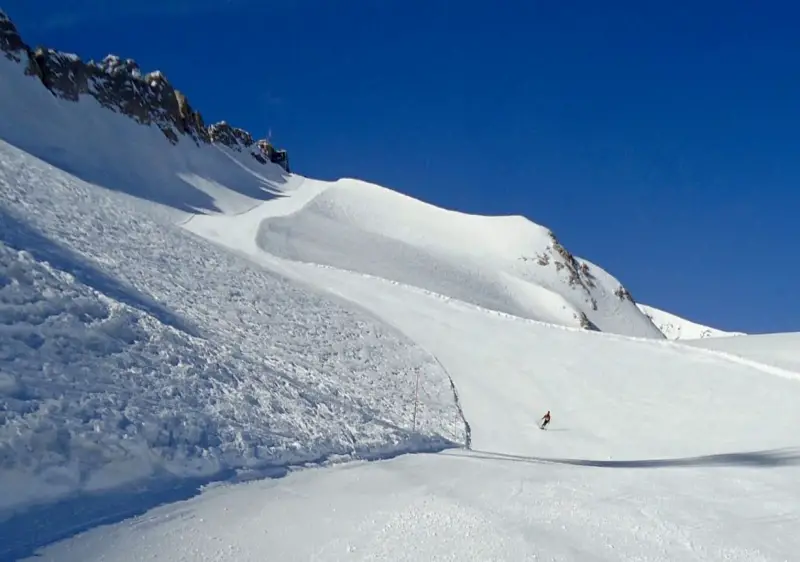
point(119, 84)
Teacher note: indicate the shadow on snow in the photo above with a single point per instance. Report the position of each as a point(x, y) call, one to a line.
point(18, 235)
point(771, 458)
point(23, 533)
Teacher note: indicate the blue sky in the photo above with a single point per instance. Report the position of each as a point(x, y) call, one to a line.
point(658, 140)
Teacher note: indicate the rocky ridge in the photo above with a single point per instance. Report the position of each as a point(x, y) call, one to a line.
point(119, 85)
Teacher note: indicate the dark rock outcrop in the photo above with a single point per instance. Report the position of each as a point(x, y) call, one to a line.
point(119, 85)
point(240, 140)
point(623, 294)
point(579, 273)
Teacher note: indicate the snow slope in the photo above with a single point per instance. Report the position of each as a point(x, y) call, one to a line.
point(677, 328)
point(169, 313)
point(623, 473)
point(508, 264)
point(779, 350)
point(111, 150)
point(133, 350)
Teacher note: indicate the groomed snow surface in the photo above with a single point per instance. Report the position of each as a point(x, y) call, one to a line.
point(154, 340)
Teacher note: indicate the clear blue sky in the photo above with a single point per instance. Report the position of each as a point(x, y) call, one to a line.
point(660, 140)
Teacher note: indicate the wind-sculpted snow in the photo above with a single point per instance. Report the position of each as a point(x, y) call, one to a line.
point(508, 264)
point(130, 348)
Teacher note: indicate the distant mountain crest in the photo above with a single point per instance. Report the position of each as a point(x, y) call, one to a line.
point(119, 84)
point(677, 328)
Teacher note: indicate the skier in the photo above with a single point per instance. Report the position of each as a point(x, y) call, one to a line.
point(545, 420)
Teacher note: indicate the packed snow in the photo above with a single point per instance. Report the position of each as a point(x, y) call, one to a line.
point(623, 473)
point(676, 328)
point(178, 316)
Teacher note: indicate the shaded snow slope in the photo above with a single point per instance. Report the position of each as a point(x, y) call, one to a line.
point(677, 328)
point(131, 349)
point(508, 264)
point(113, 151)
point(622, 474)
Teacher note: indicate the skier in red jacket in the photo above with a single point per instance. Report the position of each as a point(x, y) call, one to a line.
point(545, 420)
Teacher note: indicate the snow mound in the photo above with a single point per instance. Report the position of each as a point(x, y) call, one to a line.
point(508, 264)
point(131, 349)
point(677, 328)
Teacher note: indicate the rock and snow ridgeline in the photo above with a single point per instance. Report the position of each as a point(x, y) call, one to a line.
point(119, 84)
point(677, 328)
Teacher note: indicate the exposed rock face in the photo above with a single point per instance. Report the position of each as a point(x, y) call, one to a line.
point(241, 140)
point(233, 137)
point(578, 275)
point(623, 294)
point(118, 84)
point(10, 41)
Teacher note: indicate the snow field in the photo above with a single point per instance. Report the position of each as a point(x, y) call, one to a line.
point(136, 349)
point(652, 456)
point(781, 351)
point(508, 264)
point(509, 372)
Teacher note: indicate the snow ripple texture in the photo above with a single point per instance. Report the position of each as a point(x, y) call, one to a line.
point(130, 348)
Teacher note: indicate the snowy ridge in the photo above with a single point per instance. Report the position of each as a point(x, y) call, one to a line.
point(121, 155)
point(120, 86)
point(677, 328)
point(507, 264)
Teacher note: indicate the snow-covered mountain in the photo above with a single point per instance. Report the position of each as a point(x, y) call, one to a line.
point(508, 264)
point(677, 328)
point(132, 350)
point(178, 308)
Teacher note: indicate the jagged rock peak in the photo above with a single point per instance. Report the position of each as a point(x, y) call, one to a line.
point(113, 65)
point(10, 39)
point(119, 84)
point(240, 140)
point(233, 137)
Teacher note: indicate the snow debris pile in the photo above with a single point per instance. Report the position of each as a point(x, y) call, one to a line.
point(131, 349)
